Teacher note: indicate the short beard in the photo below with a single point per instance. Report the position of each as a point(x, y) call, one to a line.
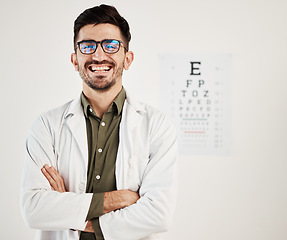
point(92, 83)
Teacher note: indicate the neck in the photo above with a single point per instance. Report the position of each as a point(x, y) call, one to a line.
point(101, 100)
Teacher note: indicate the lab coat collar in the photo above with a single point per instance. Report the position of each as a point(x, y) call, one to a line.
point(136, 105)
point(75, 119)
point(76, 108)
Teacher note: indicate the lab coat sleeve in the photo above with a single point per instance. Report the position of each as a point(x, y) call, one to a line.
point(154, 210)
point(41, 207)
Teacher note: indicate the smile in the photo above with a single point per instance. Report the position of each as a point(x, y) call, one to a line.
point(95, 68)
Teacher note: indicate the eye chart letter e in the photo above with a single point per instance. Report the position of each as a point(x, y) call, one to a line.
point(195, 93)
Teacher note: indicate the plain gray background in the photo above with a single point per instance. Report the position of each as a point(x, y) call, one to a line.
point(235, 197)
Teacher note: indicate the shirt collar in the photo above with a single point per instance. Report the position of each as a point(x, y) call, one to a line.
point(85, 104)
point(119, 101)
point(117, 104)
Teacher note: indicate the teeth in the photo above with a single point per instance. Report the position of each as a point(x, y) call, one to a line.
point(102, 68)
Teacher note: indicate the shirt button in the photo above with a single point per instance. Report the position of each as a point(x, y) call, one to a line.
point(100, 150)
point(82, 186)
point(98, 177)
point(103, 124)
point(90, 109)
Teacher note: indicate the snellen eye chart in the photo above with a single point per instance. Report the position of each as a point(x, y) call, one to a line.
point(195, 91)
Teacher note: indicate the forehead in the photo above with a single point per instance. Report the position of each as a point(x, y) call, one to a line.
point(99, 32)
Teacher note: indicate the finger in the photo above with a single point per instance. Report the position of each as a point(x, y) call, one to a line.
point(59, 182)
point(48, 177)
point(55, 178)
point(54, 174)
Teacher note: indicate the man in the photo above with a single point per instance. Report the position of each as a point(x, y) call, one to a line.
point(101, 166)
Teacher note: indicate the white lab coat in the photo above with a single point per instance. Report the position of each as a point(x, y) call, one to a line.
point(146, 162)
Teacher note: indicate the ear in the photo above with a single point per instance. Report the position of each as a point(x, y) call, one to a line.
point(128, 60)
point(74, 61)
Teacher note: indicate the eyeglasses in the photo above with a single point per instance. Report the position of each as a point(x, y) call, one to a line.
point(109, 46)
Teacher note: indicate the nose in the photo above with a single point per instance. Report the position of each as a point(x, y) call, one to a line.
point(99, 54)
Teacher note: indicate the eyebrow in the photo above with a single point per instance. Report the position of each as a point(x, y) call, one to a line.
point(92, 40)
point(87, 40)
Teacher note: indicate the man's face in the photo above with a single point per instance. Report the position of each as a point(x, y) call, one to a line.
point(100, 70)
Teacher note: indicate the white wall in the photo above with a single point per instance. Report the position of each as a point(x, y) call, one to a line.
point(241, 196)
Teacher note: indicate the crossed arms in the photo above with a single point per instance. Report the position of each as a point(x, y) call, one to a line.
point(151, 170)
point(112, 200)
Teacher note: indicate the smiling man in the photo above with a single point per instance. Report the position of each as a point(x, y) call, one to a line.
point(102, 166)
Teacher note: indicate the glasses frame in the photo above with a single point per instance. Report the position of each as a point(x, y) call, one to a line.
point(101, 43)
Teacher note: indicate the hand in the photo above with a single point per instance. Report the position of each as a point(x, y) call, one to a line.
point(89, 227)
point(119, 199)
point(54, 178)
point(57, 184)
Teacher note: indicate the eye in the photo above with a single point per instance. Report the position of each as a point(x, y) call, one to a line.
point(111, 46)
point(87, 47)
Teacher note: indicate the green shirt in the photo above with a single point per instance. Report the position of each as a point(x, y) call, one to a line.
point(103, 141)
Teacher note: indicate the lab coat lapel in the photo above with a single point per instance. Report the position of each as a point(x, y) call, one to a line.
point(130, 117)
point(77, 125)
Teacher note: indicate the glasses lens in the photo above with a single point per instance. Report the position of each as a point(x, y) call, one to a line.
point(88, 47)
point(111, 46)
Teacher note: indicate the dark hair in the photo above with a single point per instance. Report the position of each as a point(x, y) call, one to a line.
point(102, 14)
